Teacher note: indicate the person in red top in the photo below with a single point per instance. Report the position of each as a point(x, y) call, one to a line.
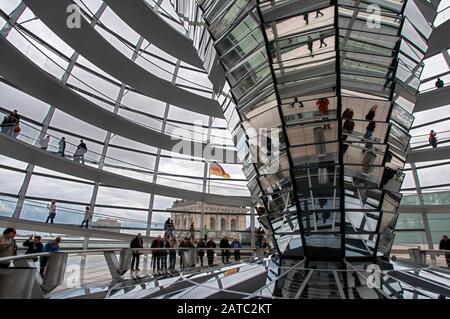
point(322, 104)
point(432, 139)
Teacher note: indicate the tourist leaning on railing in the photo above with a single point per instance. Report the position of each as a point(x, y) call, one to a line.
point(7, 245)
point(50, 247)
point(137, 242)
point(34, 246)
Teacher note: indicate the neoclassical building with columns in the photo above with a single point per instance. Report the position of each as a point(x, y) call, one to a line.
point(220, 220)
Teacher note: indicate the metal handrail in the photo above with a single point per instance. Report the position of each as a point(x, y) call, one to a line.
point(91, 157)
point(431, 251)
point(98, 251)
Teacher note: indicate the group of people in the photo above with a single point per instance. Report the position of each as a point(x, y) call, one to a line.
point(306, 16)
point(349, 126)
point(11, 124)
point(370, 129)
point(52, 214)
point(310, 41)
point(78, 155)
point(8, 247)
point(166, 248)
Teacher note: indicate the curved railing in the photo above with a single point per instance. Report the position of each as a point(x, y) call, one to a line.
point(49, 64)
point(37, 210)
point(72, 270)
point(420, 141)
point(32, 135)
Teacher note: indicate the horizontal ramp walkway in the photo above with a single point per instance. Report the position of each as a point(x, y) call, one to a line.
point(24, 152)
point(429, 209)
point(433, 99)
point(36, 226)
point(438, 41)
point(429, 154)
point(142, 19)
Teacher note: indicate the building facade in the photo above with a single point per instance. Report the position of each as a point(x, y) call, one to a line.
point(219, 220)
point(111, 223)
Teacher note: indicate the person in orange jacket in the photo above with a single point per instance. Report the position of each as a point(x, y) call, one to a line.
point(323, 104)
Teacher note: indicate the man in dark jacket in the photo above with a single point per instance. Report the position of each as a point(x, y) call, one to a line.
point(166, 227)
point(225, 252)
point(210, 252)
point(236, 244)
point(201, 252)
point(34, 246)
point(136, 243)
point(164, 252)
point(185, 243)
point(445, 245)
point(156, 254)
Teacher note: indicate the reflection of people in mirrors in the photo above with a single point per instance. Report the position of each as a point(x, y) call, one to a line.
point(322, 202)
point(367, 162)
point(325, 216)
point(390, 73)
point(297, 103)
point(388, 174)
point(348, 114)
point(347, 129)
point(371, 114)
point(310, 45)
point(322, 40)
point(369, 135)
point(306, 18)
point(319, 12)
point(323, 104)
point(260, 210)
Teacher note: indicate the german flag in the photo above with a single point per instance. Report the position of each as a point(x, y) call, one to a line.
point(216, 169)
